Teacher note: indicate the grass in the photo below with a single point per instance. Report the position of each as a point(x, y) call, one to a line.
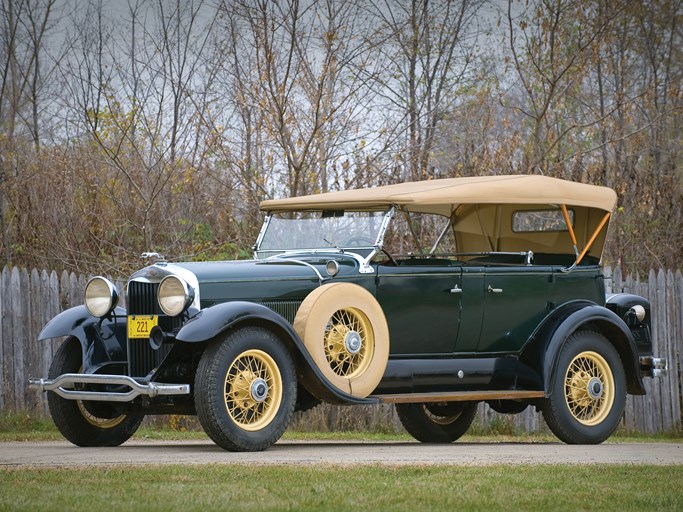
point(241, 487)
point(329, 487)
point(30, 427)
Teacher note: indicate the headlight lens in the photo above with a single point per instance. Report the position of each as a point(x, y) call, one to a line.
point(100, 296)
point(175, 295)
point(639, 312)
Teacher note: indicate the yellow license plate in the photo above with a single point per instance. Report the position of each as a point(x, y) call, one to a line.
point(140, 326)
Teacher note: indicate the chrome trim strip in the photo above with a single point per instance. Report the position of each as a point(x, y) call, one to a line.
point(284, 257)
point(365, 267)
point(150, 389)
point(261, 234)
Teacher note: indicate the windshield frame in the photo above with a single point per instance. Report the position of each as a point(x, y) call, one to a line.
point(363, 259)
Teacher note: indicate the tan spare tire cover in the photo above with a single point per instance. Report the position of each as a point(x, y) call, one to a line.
point(345, 331)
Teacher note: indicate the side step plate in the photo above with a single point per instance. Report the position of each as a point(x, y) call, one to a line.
point(457, 396)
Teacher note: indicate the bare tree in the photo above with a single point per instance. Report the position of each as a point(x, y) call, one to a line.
point(304, 58)
point(24, 25)
point(428, 48)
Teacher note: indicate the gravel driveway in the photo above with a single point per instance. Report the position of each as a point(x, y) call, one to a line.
point(328, 452)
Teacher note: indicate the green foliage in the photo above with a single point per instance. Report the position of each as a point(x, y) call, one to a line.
point(24, 426)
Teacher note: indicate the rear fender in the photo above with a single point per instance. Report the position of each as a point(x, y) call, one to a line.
point(216, 320)
point(590, 316)
point(103, 340)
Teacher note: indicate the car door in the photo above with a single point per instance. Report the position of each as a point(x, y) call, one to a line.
point(515, 300)
point(422, 302)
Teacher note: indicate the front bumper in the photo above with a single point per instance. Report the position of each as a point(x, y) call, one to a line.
point(653, 366)
point(150, 389)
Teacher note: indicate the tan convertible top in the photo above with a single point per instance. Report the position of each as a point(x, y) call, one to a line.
point(445, 195)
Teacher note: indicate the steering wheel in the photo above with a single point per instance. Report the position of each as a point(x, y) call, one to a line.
point(359, 240)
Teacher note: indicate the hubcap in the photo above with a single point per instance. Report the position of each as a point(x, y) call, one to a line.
point(353, 342)
point(595, 388)
point(259, 390)
point(253, 390)
point(589, 388)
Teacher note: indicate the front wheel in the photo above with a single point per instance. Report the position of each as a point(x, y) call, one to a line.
point(437, 422)
point(245, 389)
point(588, 393)
point(86, 423)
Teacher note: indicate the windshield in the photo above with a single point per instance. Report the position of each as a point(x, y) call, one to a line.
point(309, 231)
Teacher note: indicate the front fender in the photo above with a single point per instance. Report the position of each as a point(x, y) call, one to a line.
point(612, 327)
point(103, 340)
point(216, 320)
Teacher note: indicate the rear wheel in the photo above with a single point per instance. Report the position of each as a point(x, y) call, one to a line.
point(588, 393)
point(437, 422)
point(245, 389)
point(86, 423)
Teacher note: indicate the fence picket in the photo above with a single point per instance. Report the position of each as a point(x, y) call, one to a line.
point(7, 341)
point(18, 332)
point(2, 350)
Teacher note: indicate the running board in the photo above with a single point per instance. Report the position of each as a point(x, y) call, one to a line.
point(458, 396)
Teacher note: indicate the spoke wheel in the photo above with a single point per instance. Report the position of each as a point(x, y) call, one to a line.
point(345, 332)
point(245, 389)
point(437, 422)
point(96, 421)
point(349, 342)
point(253, 390)
point(589, 388)
point(588, 392)
point(86, 423)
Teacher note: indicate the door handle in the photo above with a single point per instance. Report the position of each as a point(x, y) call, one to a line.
point(495, 290)
point(456, 289)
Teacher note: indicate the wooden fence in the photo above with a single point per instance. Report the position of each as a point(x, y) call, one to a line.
point(30, 299)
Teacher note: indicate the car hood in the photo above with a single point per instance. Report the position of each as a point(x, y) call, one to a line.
point(255, 280)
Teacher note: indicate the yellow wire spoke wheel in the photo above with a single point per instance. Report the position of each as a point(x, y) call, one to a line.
point(435, 415)
point(589, 388)
point(349, 342)
point(253, 390)
point(587, 393)
point(86, 422)
point(96, 421)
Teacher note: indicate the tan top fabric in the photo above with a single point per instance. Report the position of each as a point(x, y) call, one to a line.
point(445, 195)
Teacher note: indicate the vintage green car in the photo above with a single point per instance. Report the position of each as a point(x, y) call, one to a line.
point(432, 295)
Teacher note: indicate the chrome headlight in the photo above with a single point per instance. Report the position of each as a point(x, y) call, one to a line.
point(101, 296)
point(175, 295)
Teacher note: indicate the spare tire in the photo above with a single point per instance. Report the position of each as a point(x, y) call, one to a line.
point(345, 331)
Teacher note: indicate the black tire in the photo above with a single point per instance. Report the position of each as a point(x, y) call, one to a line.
point(437, 422)
point(588, 392)
point(86, 423)
point(245, 389)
